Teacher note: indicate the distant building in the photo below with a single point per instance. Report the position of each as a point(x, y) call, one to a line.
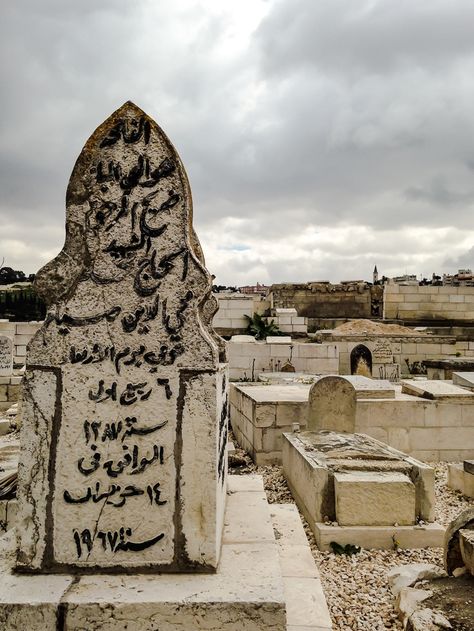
point(406, 279)
point(254, 289)
point(375, 276)
point(464, 278)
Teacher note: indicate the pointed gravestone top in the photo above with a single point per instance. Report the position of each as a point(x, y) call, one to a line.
point(124, 417)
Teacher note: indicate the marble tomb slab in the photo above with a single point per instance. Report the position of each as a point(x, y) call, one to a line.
point(464, 379)
point(435, 389)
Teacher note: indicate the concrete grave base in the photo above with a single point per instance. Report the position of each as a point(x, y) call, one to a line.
point(380, 537)
point(461, 480)
point(259, 585)
point(375, 494)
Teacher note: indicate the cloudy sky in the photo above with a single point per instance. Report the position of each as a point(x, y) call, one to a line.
point(320, 137)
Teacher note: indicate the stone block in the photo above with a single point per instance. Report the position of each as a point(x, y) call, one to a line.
point(443, 438)
point(453, 455)
point(304, 596)
point(330, 367)
point(248, 406)
point(13, 393)
point(276, 339)
point(394, 298)
point(297, 320)
point(307, 480)
point(279, 351)
point(247, 519)
point(271, 440)
point(374, 499)
point(287, 524)
point(265, 415)
point(300, 328)
point(289, 413)
point(248, 483)
point(306, 602)
point(22, 339)
point(444, 414)
point(380, 537)
point(26, 328)
point(238, 323)
point(379, 433)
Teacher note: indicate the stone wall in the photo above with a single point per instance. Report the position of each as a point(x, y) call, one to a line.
point(20, 333)
point(418, 303)
point(288, 321)
point(248, 359)
point(230, 318)
point(427, 430)
point(407, 351)
point(325, 300)
point(9, 391)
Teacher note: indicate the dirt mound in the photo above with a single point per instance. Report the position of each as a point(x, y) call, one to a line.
point(361, 327)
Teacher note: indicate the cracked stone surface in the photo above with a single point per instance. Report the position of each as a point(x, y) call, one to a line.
point(125, 397)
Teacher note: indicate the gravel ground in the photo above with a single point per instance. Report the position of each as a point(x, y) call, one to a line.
point(355, 586)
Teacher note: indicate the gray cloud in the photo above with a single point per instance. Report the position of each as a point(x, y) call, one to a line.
point(322, 138)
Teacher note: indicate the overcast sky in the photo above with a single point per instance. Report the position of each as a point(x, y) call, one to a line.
point(320, 137)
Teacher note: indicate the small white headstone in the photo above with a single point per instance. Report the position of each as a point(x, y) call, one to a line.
point(6, 355)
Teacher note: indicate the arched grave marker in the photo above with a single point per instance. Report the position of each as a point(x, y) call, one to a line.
point(332, 405)
point(125, 403)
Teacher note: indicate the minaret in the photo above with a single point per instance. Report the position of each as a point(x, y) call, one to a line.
point(375, 275)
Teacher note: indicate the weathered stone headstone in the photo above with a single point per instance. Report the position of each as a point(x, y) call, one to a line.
point(123, 461)
point(459, 542)
point(6, 355)
point(332, 405)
